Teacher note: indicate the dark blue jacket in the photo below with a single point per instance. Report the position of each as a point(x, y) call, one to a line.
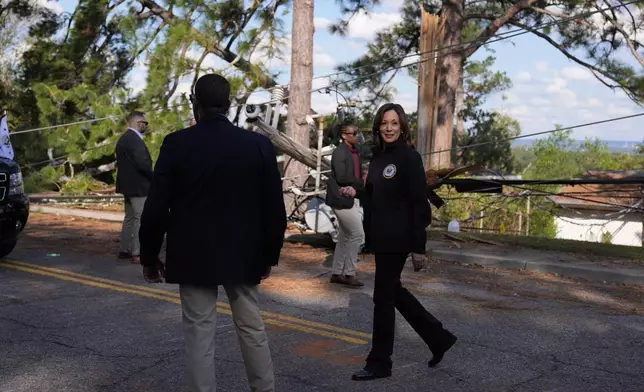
point(217, 192)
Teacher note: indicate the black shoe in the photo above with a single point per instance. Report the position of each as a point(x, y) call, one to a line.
point(367, 375)
point(124, 255)
point(442, 348)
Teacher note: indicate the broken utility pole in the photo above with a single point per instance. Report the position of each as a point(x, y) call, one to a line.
point(431, 35)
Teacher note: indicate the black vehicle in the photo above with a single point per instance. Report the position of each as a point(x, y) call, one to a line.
point(14, 205)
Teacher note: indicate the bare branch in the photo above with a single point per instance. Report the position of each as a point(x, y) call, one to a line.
point(247, 18)
point(198, 68)
point(560, 15)
point(623, 32)
point(116, 4)
point(594, 69)
point(499, 22)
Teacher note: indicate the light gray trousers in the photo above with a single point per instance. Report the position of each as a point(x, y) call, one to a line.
point(350, 238)
point(199, 305)
point(131, 225)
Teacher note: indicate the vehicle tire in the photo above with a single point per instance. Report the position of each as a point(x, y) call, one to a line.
point(7, 247)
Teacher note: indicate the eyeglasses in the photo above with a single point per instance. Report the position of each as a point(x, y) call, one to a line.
point(350, 133)
point(143, 122)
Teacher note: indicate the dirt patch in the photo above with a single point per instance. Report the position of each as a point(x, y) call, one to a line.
point(327, 351)
point(57, 234)
point(304, 290)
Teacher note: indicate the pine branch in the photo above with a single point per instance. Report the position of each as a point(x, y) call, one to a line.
point(263, 80)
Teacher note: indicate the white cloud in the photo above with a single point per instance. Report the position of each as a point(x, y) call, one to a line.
point(54, 6)
point(320, 57)
point(618, 110)
point(365, 25)
point(541, 66)
point(538, 101)
point(586, 114)
point(410, 60)
point(594, 102)
point(576, 73)
point(523, 77)
point(321, 23)
point(393, 5)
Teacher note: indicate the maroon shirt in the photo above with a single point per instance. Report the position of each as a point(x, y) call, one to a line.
point(356, 161)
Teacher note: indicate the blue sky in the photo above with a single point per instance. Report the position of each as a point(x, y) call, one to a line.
point(548, 89)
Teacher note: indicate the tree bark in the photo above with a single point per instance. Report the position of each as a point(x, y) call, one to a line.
point(299, 101)
point(451, 69)
point(460, 106)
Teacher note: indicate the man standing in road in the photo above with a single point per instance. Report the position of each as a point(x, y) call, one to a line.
point(217, 192)
point(133, 182)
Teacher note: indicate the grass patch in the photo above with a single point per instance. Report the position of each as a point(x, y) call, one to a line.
point(558, 245)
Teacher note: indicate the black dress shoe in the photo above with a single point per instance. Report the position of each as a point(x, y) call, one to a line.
point(442, 348)
point(367, 374)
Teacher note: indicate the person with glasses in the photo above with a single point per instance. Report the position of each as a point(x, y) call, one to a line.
point(344, 188)
point(133, 177)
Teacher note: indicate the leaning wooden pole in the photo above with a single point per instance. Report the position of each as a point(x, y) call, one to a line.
point(283, 142)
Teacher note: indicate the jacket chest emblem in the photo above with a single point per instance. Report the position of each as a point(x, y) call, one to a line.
point(389, 171)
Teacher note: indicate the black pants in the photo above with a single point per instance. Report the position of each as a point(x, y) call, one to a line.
point(389, 295)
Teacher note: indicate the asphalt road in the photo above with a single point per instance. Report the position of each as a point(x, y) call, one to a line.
point(77, 323)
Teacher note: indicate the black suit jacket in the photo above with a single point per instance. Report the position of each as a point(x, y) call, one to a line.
point(342, 174)
point(134, 165)
point(217, 192)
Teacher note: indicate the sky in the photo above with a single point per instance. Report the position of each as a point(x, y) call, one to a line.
point(548, 89)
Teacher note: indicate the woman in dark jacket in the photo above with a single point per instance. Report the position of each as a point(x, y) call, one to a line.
point(397, 216)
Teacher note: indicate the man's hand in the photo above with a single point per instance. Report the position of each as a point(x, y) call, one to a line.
point(155, 273)
point(348, 191)
point(419, 260)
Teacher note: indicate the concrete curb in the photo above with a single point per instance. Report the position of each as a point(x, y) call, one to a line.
point(587, 272)
point(100, 215)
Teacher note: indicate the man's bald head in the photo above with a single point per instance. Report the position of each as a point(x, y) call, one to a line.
point(136, 120)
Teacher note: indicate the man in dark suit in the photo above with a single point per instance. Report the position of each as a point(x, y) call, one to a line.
point(133, 182)
point(217, 192)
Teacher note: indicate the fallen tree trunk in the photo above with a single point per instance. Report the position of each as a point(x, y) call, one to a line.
point(287, 145)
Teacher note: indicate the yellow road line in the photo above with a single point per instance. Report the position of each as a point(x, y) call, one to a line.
point(173, 297)
point(278, 316)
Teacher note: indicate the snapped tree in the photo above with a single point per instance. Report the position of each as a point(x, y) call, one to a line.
point(591, 41)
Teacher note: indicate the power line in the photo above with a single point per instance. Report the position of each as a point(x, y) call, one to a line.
point(539, 133)
point(462, 47)
point(85, 121)
point(31, 165)
point(522, 30)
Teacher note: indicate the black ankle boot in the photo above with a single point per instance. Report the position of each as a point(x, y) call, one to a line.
point(439, 351)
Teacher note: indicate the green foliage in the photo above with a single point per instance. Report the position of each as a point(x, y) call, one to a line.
point(44, 180)
point(493, 129)
point(81, 184)
point(79, 65)
point(607, 238)
point(556, 156)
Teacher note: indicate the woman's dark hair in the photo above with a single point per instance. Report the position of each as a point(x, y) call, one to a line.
point(402, 118)
point(341, 128)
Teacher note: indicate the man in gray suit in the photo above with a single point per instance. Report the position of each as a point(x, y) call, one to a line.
point(133, 182)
